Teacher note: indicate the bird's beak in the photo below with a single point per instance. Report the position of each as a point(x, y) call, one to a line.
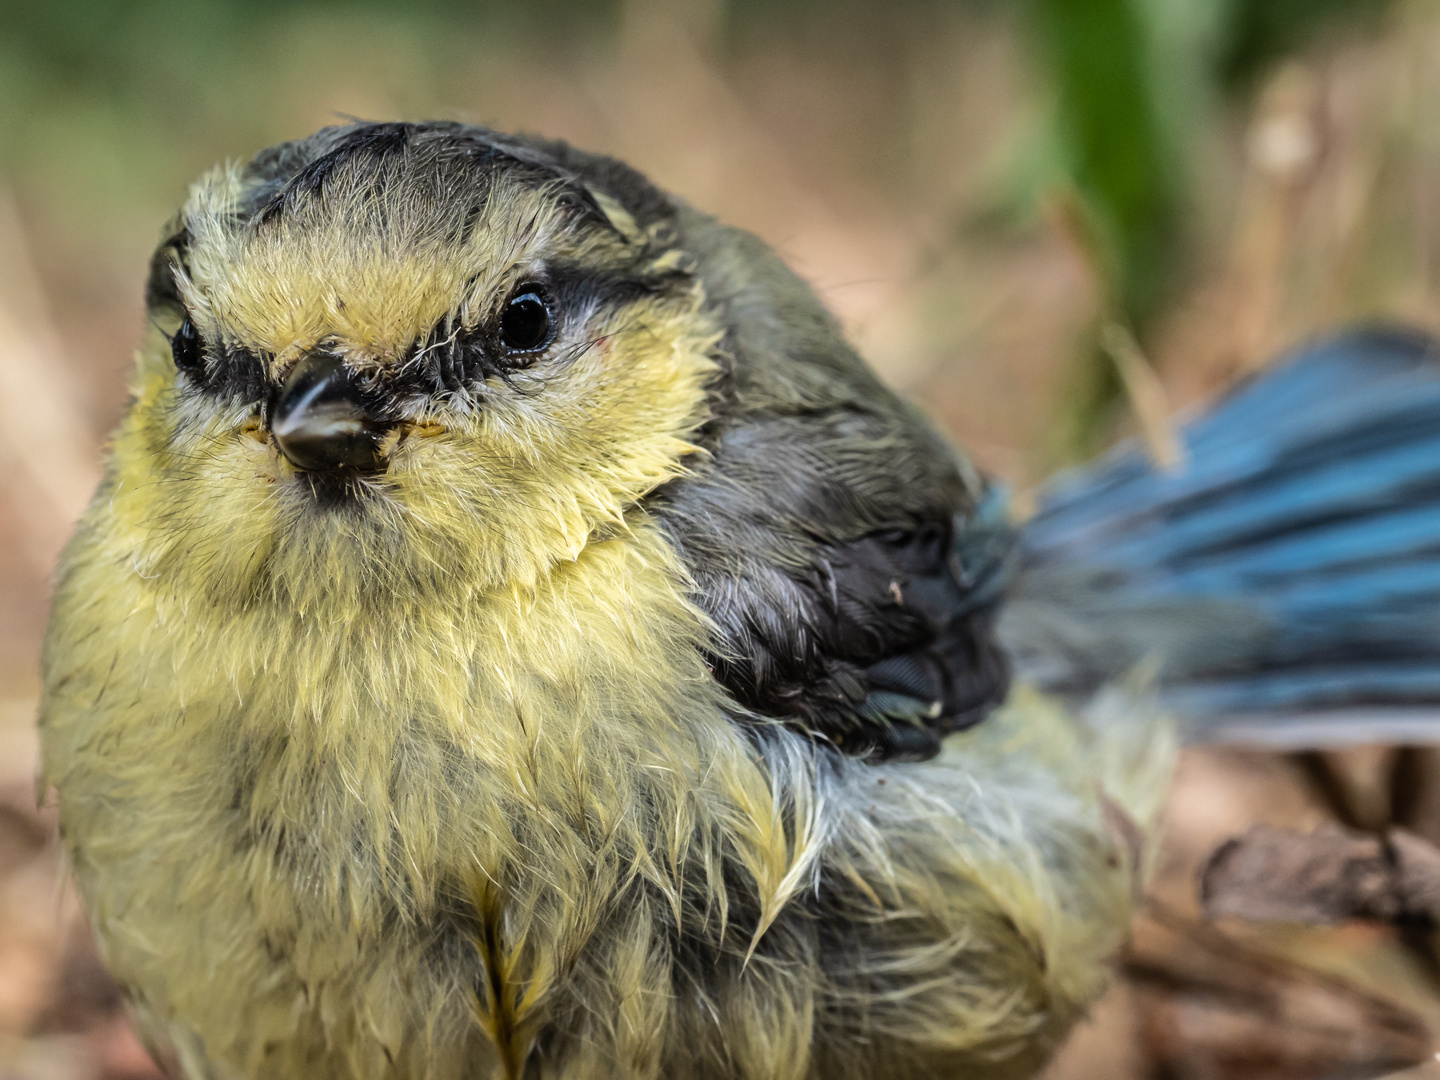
point(321, 421)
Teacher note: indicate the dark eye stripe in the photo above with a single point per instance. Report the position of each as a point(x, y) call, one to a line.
point(224, 371)
point(451, 357)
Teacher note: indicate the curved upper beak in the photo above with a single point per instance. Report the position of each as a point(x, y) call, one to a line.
point(321, 420)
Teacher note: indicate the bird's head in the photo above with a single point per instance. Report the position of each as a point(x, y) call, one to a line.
point(403, 358)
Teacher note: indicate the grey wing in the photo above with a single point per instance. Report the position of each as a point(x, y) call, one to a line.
point(881, 643)
point(850, 558)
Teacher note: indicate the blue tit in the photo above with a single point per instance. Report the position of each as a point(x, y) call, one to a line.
point(516, 636)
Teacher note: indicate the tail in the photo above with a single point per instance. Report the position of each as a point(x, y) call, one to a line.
point(1284, 583)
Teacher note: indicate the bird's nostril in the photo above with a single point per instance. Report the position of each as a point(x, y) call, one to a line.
point(321, 421)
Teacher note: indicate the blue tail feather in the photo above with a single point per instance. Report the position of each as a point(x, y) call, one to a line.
point(1286, 579)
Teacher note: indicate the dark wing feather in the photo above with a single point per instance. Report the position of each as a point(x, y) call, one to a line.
point(850, 560)
point(882, 644)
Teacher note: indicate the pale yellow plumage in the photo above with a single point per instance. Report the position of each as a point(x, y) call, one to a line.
point(425, 790)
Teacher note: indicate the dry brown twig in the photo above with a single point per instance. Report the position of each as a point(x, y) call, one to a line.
point(1325, 877)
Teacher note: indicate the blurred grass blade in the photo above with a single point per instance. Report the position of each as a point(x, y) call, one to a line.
point(1123, 169)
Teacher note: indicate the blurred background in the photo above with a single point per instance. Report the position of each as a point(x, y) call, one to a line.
point(1052, 223)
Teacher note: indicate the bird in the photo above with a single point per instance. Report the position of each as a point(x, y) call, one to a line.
point(516, 635)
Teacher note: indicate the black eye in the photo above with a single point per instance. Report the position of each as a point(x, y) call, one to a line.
point(525, 324)
point(187, 348)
